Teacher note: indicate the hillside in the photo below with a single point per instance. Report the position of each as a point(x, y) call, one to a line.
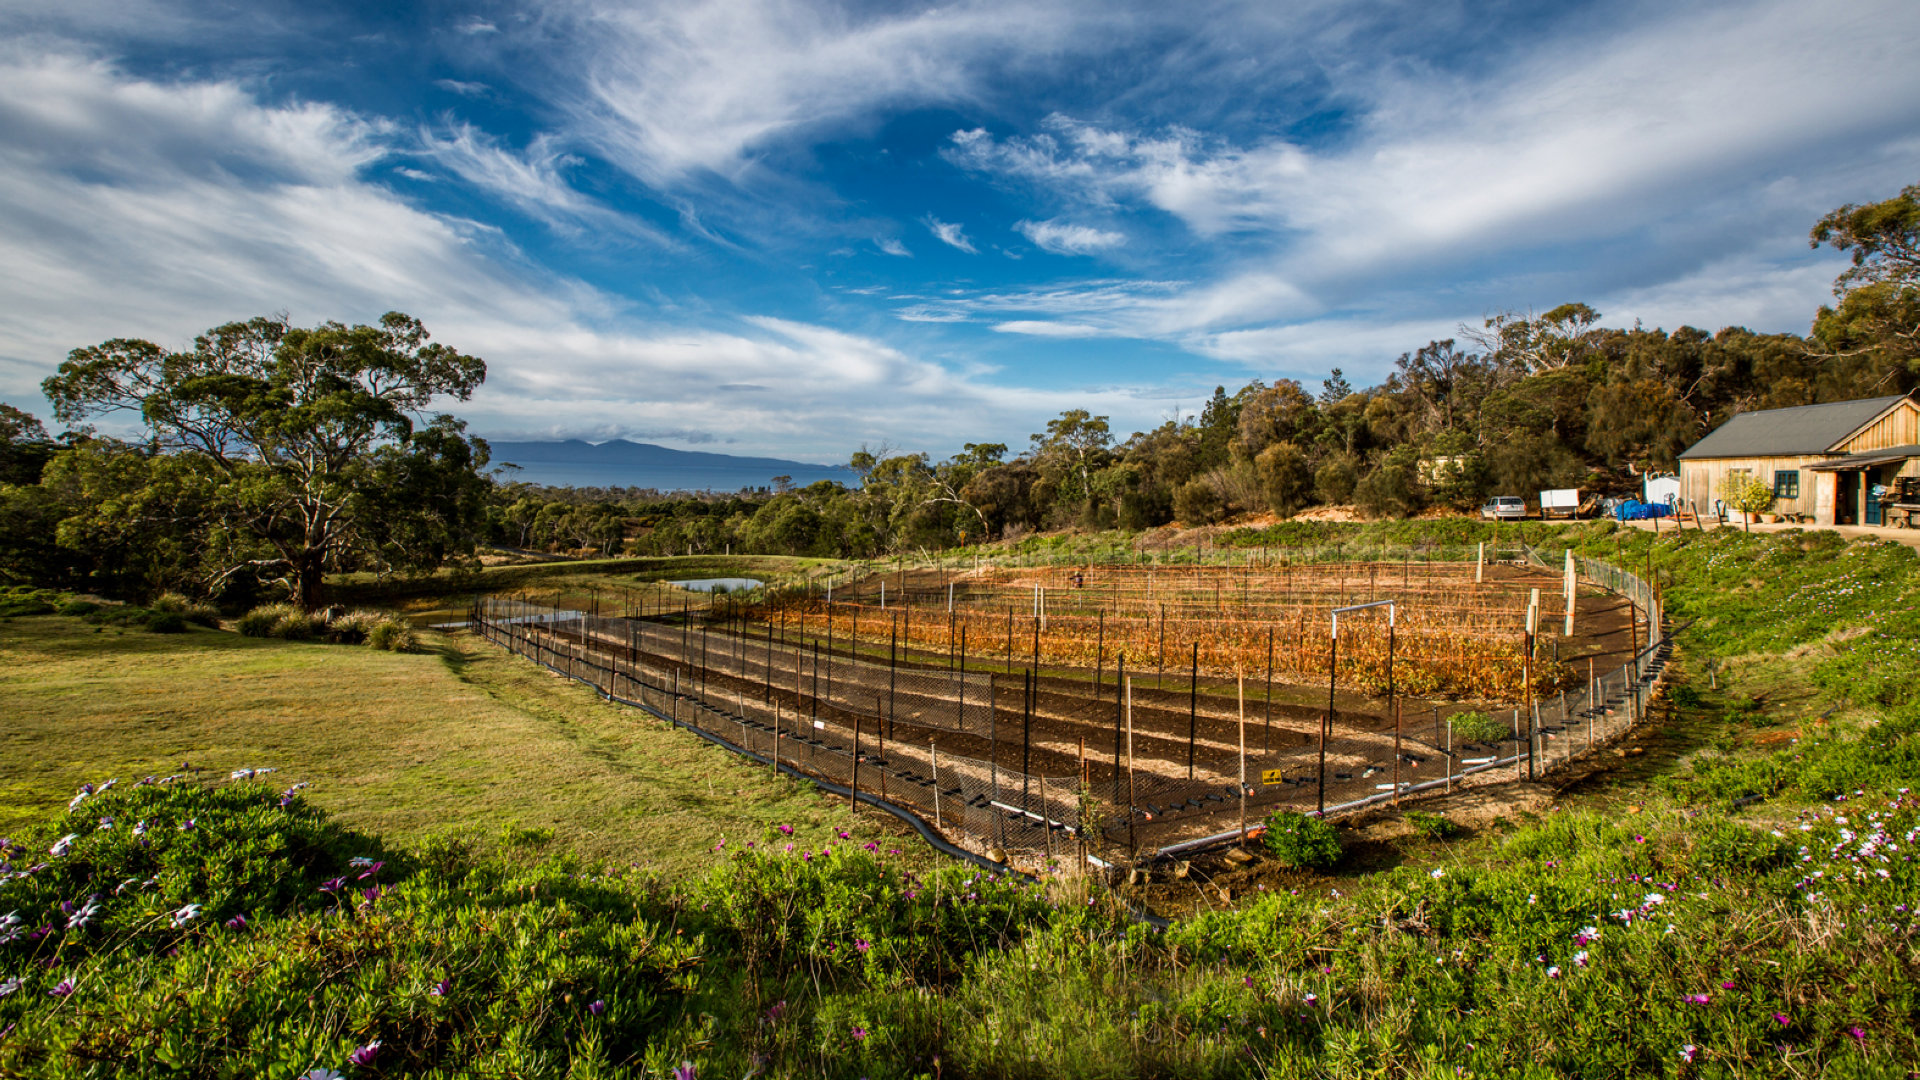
point(1731, 897)
point(619, 463)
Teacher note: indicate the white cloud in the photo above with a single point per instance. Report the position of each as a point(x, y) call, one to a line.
point(1065, 238)
point(532, 183)
point(704, 86)
point(1585, 138)
point(892, 246)
point(475, 25)
point(464, 89)
point(950, 234)
point(122, 222)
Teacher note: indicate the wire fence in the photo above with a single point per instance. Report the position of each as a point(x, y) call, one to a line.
point(951, 746)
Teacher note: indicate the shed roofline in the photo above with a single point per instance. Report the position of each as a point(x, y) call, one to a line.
point(1904, 399)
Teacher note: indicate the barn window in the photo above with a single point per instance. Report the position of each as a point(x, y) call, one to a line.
point(1786, 484)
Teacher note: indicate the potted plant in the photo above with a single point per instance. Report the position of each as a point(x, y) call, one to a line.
point(1748, 494)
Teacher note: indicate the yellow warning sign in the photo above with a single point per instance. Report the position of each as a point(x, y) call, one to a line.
point(1271, 776)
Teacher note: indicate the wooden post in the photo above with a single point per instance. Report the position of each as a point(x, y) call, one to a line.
point(933, 749)
point(853, 794)
point(1393, 703)
point(1193, 709)
point(1243, 757)
point(1480, 564)
point(1127, 689)
point(1326, 722)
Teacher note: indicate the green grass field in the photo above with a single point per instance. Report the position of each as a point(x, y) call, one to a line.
point(1735, 897)
point(461, 738)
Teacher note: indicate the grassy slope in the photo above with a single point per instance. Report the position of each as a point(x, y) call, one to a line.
point(463, 738)
point(1439, 965)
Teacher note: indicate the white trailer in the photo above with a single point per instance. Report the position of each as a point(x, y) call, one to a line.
point(1560, 502)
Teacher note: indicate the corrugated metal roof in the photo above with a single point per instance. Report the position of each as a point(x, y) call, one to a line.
point(1803, 429)
point(1872, 457)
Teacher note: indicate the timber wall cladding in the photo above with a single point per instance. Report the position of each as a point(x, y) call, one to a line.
point(1899, 426)
point(1700, 479)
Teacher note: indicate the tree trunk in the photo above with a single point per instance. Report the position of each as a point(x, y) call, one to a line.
point(309, 572)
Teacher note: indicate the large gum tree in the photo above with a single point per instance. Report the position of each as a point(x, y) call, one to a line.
point(315, 439)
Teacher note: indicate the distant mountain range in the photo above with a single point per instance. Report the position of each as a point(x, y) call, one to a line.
point(576, 463)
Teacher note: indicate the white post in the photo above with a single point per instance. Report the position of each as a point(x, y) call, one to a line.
point(949, 597)
point(1480, 564)
point(883, 596)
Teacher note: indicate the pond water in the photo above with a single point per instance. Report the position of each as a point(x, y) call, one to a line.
point(719, 584)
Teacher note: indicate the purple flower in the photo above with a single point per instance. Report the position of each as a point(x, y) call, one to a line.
point(686, 1071)
point(66, 987)
point(8, 986)
point(597, 1007)
point(779, 1009)
point(1697, 999)
point(365, 1055)
point(1781, 1019)
point(1249, 981)
point(861, 944)
point(332, 886)
point(238, 922)
point(441, 989)
point(1689, 1052)
point(1858, 1033)
point(1553, 972)
point(188, 825)
point(860, 1033)
point(63, 845)
point(787, 829)
point(1728, 985)
point(372, 869)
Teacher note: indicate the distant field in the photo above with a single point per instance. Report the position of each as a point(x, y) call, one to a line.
point(462, 738)
point(618, 582)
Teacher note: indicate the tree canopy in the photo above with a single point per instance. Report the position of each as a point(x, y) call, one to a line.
point(309, 441)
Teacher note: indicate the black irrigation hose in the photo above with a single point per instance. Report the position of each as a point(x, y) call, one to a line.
point(925, 830)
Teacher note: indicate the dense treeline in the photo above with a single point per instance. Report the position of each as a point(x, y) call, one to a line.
point(275, 454)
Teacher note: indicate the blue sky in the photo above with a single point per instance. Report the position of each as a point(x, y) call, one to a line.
point(794, 228)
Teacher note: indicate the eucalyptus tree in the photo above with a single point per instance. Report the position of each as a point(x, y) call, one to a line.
point(314, 440)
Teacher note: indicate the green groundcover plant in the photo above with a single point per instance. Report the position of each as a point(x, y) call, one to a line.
point(188, 928)
point(1757, 918)
point(1298, 839)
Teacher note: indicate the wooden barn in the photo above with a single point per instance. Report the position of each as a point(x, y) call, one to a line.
point(1829, 463)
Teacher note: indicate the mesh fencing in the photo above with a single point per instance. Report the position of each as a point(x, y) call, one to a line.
point(876, 726)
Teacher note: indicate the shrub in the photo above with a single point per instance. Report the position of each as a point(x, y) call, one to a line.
point(1334, 481)
point(1197, 503)
point(353, 627)
point(1298, 839)
point(28, 602)
point(166, 622)
point(194, 611)
point(1478, 727)
point(261, 620)
point(1433, 826)
point(282, 621)
point(78, 608)
point(391, 635)
point(297, 625)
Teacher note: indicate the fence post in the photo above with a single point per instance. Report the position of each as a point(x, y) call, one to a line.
point(1126, 691)
point(933, 749)
point(1193, 709)
point(1243, 758)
